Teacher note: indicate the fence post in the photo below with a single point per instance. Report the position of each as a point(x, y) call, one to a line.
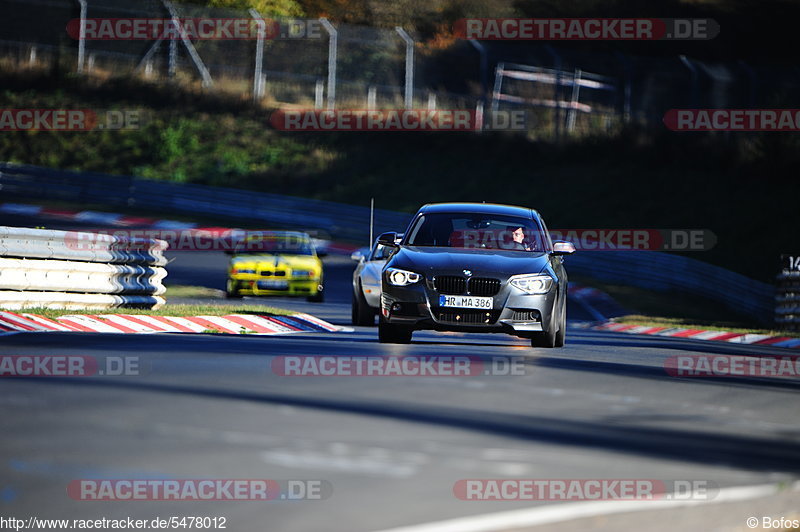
point(82, 37)
point(431, 101)
point(409, 96)
point(576, 90)
point(479, 116)
point(258, 82)
point(498, 86)
point(319, 91)
point(173, 58)
point(187, 43)
point(333, 38)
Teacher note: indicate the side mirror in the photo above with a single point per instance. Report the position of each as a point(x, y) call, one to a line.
point(562, 247)
point(388, 239)
point(357, 255)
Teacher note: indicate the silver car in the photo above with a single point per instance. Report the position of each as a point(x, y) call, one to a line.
point(475, 267)
point(367, 283)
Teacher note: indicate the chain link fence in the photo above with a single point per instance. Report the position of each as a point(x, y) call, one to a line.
point(312, 63)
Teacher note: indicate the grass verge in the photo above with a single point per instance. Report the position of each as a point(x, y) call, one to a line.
point(194, 292)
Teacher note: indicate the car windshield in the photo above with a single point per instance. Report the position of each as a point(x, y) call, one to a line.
point(280, 244)
point(476, 231)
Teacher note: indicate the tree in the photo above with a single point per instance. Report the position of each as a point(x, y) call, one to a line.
point(268, 8)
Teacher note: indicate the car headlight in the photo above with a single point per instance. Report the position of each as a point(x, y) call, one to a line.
point(532, 283)
point(399, 277)
point(302, 273)
point(236, 271)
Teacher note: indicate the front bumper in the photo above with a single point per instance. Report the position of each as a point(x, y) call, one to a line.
point(512, 311)
point(294, 287)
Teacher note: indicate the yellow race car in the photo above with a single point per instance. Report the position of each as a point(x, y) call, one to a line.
point(276, 263)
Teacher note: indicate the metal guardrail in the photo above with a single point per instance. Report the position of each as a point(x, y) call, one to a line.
point(663, 272)
point(86, 277)
point(660, 272)
point(100, 271)
point(342, 222)
point(70, 245)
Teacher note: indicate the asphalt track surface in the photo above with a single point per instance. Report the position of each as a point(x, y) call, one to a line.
point(390, 448)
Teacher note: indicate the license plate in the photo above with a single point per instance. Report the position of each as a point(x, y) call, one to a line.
point(273, 285)
point(466, 302)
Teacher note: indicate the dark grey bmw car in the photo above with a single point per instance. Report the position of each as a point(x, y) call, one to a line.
point(475, 267)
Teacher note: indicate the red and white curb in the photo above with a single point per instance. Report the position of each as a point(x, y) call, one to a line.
point(141, 324)
point(702, 334)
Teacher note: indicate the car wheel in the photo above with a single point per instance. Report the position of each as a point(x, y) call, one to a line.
point(319, 297)
point(361, 313)
point(231, 290)
point(544, 339)
point(393, 334)
point(561, 335)
point(555, 334)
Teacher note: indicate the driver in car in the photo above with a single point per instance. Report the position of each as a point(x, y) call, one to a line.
point(518, 239)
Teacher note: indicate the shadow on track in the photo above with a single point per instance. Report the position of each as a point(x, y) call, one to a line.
point(758, 454)
point(628, 369)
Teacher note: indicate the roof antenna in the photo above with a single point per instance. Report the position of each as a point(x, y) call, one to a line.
point(371, 219)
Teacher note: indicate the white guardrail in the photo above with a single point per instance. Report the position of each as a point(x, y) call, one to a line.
point(78, 270)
